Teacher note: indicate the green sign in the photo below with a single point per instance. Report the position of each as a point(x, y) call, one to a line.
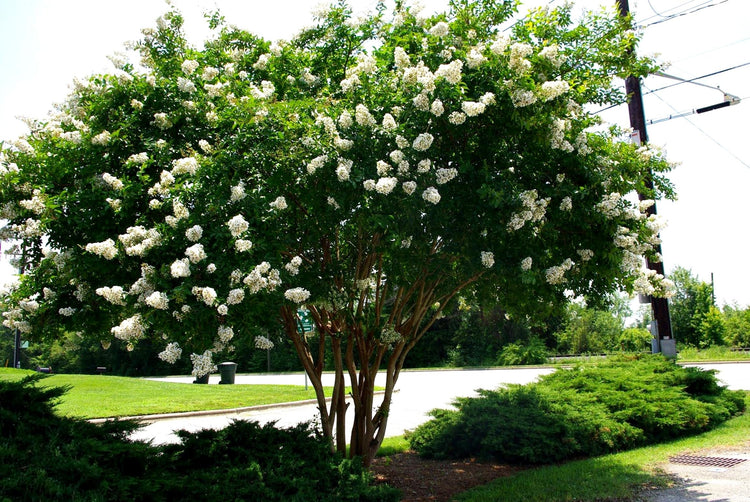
point(304, 321)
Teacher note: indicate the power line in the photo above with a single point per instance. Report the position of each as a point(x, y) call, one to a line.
point(707, 135)
point(686, 81)
point(684, 13)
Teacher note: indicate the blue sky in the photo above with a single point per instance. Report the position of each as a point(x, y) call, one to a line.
point(44, 44)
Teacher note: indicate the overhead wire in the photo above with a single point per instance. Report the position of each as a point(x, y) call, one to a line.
point(684, 13)
point(706, 134)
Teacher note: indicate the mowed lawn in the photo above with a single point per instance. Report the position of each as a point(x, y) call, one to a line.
point(98, 396)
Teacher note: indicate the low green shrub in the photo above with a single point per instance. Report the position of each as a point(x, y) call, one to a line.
point(588, 410)
point(44, 456)
point(515, 354)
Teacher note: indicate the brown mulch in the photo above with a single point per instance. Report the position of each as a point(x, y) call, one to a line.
point(422, 480)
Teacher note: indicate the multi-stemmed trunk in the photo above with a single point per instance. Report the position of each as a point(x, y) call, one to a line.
point(359, 352)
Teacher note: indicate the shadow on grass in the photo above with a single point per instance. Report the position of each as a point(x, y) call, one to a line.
point(603, 478)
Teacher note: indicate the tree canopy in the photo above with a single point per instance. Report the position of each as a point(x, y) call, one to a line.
point(368, 170)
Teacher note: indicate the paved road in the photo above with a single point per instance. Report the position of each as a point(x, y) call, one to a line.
point(418, 392)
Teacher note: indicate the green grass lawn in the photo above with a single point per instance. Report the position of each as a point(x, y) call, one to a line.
point(96, 396)
point(620, 476)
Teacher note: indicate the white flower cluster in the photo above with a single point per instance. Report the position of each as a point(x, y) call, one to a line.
point(263, 343)
point(651, 283)
point(101, 139)
point(526, 263)
point(112, 181)
point(35, 204)
point(431, 195)
point(556, 274)
point(557, 135)
point(344, 169)
point(238, 225)
point(138, 158)
point(129, 329)
point(522, 98)
point(189, 66)
point(389, 335)
point(105, 249)
point(262, 277)
point(158, 300)
point(293, 266)
point(66, 311)
point(423, 142)
point(171, 353)
point(488, 258)
point(451, 72)
point(363, 116)
point(205, 294)
point(316, 163)
point(243, 245)
point(384, 186)
point(534, 210)
point(585, 254)
point(235, 296)
point(237, 192)
point(202, 364)
point(138, 240)
point(225, 333)
point(180, 268)
point(186, 165)
point(195, 253)
point(552, 89)
point(566, 204)
point(194, 233)
point(114, 295)
point(297, 295)
point(161, 120)
point(519, 51)
point(279, 204)
point(611, 205)
point(443, 176)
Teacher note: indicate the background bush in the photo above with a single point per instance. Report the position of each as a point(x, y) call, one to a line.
point(47, 457)
point(588, 410)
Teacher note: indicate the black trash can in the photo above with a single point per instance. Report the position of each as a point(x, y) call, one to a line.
point(227, 371)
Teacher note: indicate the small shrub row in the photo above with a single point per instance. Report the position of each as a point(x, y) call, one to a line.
point(588, 410)
point(47, 457)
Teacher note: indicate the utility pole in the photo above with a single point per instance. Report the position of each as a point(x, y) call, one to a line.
point(659, 306)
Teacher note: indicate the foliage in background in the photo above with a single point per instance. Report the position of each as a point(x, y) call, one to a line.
point(44, 456)
point(695, 320)
point(585, 411)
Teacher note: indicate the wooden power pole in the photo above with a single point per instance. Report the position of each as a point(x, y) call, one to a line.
point(659, 306)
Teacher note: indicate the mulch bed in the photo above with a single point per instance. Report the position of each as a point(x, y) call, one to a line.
point(423, 480)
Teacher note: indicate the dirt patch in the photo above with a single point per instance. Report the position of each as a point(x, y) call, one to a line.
point(423, 480)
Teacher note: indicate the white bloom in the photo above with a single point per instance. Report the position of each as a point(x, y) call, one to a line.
point(488, 258)
point(401, 58)
point(222, 309)
point(185, 85)
point(279, 204)
point(409, 187)
point(369, 185)
point(66, 311)
point(297, 295)
point(332, 202)
point(526, 263)
point(189, 66)
point(424, 165)
point(316, 163)
point(205, 146)
point(158, 300)
point(131, 328)
point(363, 117)
point(263, 343)
point(101, 139)
point(161, 120)
point(194, 233)
point(238, 225)
point(386, 185)
point(389, 123)
point(242, 245)
point(180, 268)
point(211, 268)
point(202, 364)
point(171, 353)
point(431, 195)
point(472, 108)
point(138, 158)
point(421, 102)
point(114, 295)
point(112, 181)
point(451, 72)
point(554, 88)
point(207, 295)
point(105, 249)
point(225, 333)
point(195, 253)
point(440, 29)
point(138, 240)
point(585, 254)
point(345, 120)
point(437, 108)
point(344, 169)
point(235, 296)
point(566, 204)
point(423, 142)
point(187, 165)
point(445, 175)
point(457, 118)
point(522, 97)
point(238, 192)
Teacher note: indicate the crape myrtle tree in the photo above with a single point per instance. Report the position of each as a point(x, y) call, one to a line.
point(369, 170)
